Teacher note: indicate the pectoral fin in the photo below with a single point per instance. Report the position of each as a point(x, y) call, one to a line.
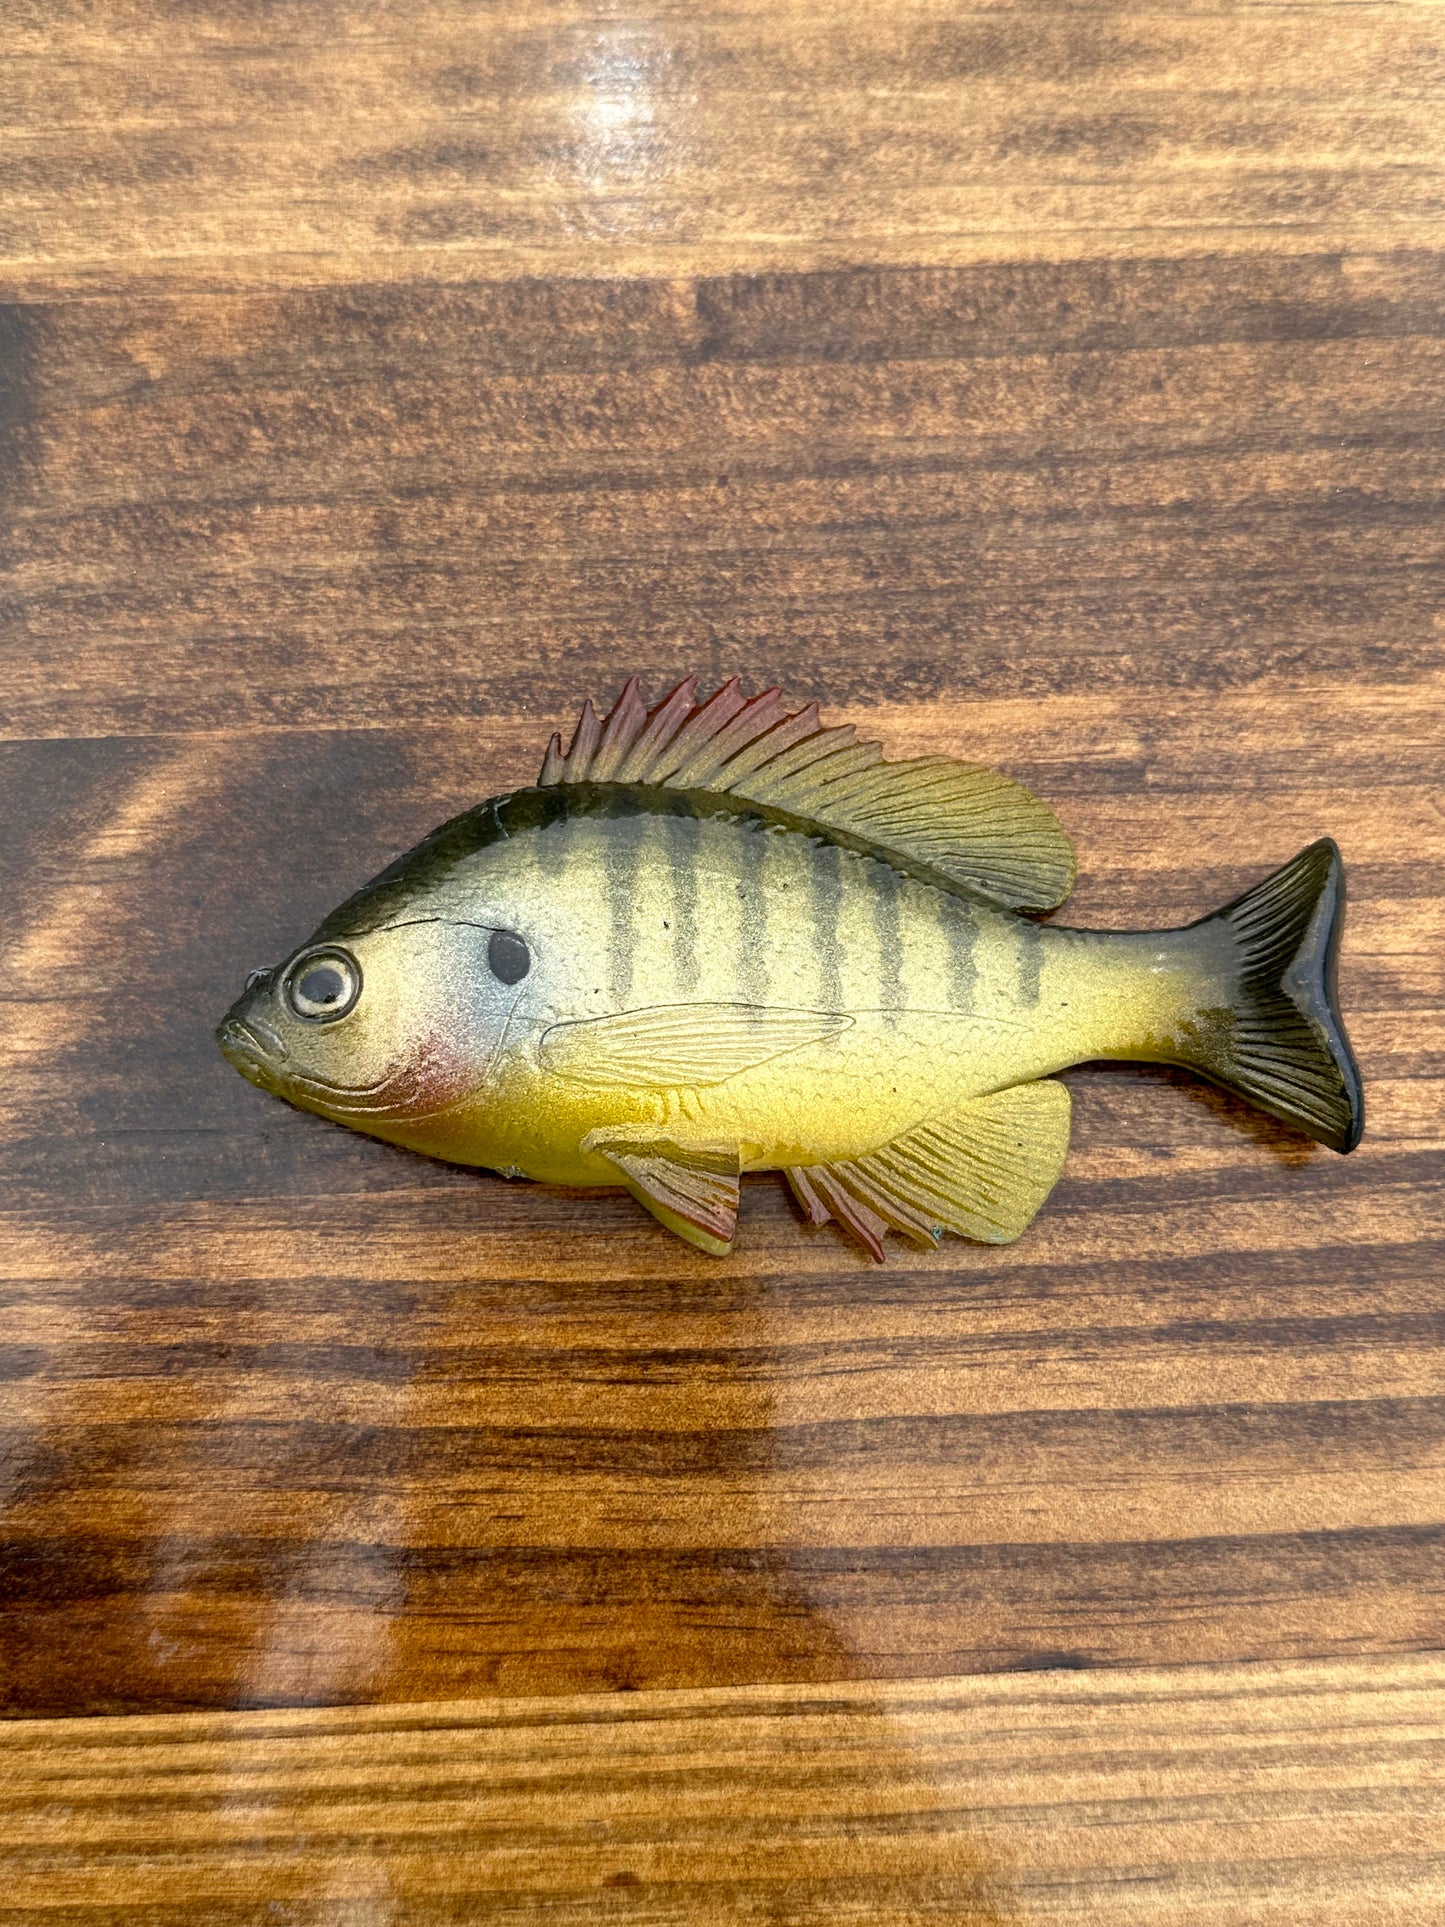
point(681, 1046)
point(982, 1172)
point(691, 1190)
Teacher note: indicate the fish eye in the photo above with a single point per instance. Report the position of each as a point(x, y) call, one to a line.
point(323, 985)
point(508, 958)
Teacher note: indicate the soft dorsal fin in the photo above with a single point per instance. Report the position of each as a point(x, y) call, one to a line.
point(976, 828)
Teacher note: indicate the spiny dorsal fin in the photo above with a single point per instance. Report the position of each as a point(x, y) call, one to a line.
point(982, 1172)
point(977, 828)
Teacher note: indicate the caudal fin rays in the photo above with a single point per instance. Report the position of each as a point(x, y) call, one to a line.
point(1283, 1046)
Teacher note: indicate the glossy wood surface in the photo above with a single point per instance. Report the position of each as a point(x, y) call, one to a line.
point(238, 142)
point(1192, 1797)
point(1061, 389)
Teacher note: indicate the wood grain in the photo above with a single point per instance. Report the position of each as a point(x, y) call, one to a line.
point(294, 1416)
point(405, 506)
point(1056, 386)
point(233, 142)
point(1195, 1797)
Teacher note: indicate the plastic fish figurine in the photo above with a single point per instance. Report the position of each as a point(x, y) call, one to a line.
point(721, 938)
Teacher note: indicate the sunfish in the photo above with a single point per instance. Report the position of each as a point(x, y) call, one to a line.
point(719, 937)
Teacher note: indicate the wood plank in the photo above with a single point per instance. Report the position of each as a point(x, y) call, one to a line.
point(349, 509)
point(1057, 384)
point(1199, 1796)
point(149, 145)
point(295, 1417)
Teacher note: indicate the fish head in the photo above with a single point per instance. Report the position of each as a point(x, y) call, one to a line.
point(393, 1030)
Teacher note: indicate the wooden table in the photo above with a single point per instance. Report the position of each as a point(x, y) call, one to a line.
point(386, 1543)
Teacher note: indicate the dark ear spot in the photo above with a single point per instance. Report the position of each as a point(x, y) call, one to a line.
point(508, 958)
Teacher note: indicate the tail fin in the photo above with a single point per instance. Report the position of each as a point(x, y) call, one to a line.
point(1286, 1048)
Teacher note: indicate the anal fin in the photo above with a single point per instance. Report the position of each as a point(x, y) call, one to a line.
point(983, 1172)
point(691, 1190)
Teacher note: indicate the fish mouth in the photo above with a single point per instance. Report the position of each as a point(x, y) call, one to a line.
point(250, 1046)
point(252, 1049)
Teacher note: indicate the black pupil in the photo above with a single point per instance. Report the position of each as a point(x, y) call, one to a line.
point(508, 957)
point(323, 985)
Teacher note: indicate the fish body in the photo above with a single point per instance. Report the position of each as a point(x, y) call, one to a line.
point(674, 961)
